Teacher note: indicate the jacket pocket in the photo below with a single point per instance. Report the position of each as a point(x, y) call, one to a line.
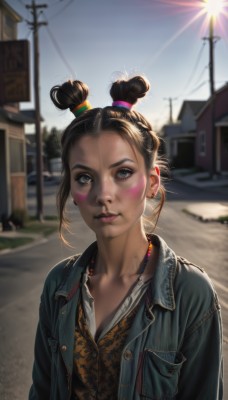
point(160, 374)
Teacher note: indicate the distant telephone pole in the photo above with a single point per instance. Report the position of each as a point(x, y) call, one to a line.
point(212, 40)
point(170, 100)
point(39, 158)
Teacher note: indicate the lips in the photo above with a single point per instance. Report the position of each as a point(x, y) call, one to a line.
point(106, 217)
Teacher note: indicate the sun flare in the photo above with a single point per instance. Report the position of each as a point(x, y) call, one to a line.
point(213, 7)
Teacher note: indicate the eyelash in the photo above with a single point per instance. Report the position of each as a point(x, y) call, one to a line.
point(78, 178)
point(127, 172)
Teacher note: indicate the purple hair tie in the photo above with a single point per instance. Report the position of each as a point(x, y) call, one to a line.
point(123, 104)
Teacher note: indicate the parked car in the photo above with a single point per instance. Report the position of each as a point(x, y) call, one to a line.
point(32, 177)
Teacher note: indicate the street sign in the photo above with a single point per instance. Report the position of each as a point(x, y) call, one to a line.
point(14, 71)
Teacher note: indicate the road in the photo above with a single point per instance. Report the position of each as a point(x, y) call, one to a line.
point(22, 274)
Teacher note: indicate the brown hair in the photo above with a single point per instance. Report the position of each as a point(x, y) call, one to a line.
point(131, 125)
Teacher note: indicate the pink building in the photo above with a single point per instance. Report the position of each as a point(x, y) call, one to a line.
point(212, 143)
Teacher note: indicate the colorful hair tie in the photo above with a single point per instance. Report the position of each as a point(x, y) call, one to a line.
point(78, 110)
point(123, 104)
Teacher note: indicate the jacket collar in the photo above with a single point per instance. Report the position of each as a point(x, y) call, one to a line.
point(161, 292)
point(72, 273)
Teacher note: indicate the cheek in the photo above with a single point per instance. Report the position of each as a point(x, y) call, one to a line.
point(79, 197)
point(138, 190)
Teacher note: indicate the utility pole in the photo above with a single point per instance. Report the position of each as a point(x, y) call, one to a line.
point(170, 100)
point(39, 158)
point(212, 40)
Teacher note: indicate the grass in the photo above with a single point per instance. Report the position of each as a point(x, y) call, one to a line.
point(44, 228)
point(12, 243)
point(223, 219)
point(33, 228)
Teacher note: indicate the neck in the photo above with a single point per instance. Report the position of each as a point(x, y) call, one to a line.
point(122, 255)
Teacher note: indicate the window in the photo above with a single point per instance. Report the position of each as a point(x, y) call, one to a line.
point(17, 162)
point(202, 143)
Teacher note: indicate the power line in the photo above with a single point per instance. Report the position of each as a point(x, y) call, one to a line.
point(59, 51)
point(193, 70)
point(61, 10)
point(200, 75)
point(197, 88)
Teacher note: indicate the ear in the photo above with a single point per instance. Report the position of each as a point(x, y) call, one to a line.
point(153, 182)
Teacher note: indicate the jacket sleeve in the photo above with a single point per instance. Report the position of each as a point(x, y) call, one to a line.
point(40, 389)
point(201, 374)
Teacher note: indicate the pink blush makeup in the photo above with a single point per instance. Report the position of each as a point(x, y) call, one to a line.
point(138, 189)
point(80, 198)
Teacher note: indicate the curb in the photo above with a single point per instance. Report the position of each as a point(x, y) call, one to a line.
point(35, 242)
point(208, 211)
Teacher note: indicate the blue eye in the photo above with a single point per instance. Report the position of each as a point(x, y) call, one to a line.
point(83, 179)
point(124, 173)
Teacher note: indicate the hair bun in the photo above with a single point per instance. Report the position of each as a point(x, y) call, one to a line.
point(131, 90)
point(69, 95)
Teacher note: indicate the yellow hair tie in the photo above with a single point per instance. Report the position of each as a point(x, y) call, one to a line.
point(77, 110)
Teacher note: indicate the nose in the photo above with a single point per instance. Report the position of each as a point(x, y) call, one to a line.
point(104, 193)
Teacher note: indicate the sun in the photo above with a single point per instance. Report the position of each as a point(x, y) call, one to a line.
point(213, 7)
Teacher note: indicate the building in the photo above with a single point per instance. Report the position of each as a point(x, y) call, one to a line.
point(212, 143)
point(180, 137)
point(13, 187)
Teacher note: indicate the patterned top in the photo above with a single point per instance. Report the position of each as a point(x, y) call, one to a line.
point(97, 364)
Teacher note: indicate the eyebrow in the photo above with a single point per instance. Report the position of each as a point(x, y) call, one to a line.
point(116, 164)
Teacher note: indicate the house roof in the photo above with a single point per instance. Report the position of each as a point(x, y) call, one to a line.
point(11, 11)
point(207, 103)
point(195, 105)
point(30, 114)
point(23, 116)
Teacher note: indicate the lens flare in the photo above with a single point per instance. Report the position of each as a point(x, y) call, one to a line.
point(213, 7)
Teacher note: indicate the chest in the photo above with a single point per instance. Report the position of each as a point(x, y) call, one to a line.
point(109, 297)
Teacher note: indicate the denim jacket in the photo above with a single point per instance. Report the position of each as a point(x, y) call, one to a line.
point(173, 350)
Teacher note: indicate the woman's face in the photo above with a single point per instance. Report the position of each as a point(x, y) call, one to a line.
point(109, 183)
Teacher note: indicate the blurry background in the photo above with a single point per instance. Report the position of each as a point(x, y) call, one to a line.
point(95, 41)
point(182, 48)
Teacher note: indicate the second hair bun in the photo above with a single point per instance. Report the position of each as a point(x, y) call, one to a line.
point(130, 90)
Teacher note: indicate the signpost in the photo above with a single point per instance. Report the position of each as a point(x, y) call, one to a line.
point(14, 71)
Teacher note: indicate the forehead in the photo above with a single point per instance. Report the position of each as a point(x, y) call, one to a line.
point(108, 146)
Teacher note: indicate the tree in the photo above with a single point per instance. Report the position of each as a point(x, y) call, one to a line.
point(52, 145)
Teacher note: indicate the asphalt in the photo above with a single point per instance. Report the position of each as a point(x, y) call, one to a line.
point(205, 211)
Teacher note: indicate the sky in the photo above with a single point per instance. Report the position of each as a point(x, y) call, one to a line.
point(98, 41)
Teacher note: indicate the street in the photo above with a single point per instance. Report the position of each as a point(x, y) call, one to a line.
point(22, 274)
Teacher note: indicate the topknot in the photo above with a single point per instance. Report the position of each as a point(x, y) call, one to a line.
point(131, 90)
point(69, 95)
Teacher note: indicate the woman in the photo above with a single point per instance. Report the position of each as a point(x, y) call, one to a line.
point(128, 319)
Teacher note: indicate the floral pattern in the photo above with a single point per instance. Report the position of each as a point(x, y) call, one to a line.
point(97, 364)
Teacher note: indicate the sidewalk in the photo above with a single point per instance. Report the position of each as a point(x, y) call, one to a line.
point(33, 240)
point(200, 179)
point(204, 211)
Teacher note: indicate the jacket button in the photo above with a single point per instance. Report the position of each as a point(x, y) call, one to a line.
point(63, 347)
point(128, 355)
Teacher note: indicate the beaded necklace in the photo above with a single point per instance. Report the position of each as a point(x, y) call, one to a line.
point(91, 266)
